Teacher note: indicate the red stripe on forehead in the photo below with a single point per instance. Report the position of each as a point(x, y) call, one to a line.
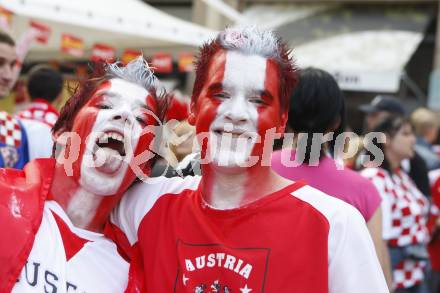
point(206, 107)
point(272, 81)
point(217, 67)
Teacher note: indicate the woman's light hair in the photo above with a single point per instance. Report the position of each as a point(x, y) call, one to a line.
point(136, 71)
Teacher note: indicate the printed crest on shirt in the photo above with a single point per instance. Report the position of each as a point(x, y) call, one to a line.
point(10, 130)
point(9, 155)
point(216, 268)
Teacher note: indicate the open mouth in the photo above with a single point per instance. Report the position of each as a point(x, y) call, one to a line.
point(113, 141)
point(233, 134)
point(109, 152)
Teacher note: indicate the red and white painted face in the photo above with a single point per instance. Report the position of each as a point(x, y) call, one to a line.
point(113, 129)
point(239, 101)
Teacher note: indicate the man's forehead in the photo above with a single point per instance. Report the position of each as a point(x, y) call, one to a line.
point(7, 51)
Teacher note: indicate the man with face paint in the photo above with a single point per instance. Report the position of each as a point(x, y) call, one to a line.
point(54, 213)
point(240, 227)
point(20, 140)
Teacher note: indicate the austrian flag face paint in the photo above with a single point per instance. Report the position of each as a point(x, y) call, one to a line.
point(237, 105)
point(113, 129)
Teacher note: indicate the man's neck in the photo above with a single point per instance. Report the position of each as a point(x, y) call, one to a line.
point(227, 190)
point(85, 209)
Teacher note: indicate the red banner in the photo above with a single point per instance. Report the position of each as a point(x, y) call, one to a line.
point(72, 45)
point(102, 52)
point(186, 62)
point(43, 31)
point(5, 18)
point(162, 62)
point(130, 54)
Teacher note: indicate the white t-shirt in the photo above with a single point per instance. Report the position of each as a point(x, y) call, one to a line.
point(68, 259)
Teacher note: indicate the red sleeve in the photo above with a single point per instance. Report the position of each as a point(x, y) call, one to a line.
point(22, 197)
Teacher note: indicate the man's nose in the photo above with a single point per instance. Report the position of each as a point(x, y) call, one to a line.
point(237, 110)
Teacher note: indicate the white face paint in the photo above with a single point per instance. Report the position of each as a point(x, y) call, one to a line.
point(234, 129)
point(116, 130)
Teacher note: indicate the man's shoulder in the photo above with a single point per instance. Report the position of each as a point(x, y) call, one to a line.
point(331, 208)
point(142, 198)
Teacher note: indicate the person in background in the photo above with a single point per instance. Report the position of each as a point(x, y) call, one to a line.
point(404, 208)
point(44, 87)
point(380, 108)
point(20, 141)
point(318, 106)
point(426, 126)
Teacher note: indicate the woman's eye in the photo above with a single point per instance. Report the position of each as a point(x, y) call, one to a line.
point(141, 121)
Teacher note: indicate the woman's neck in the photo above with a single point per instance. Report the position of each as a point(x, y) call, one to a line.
point(85, 209)
point(393, 160)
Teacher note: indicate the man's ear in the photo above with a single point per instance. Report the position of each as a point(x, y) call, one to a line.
point(282, 127)
point(192, 115)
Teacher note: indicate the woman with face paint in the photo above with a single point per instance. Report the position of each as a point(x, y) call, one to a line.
point(240, 227)
point(54, 213)
point(405, 209)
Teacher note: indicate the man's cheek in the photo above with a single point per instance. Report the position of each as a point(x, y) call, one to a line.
point(206, 117)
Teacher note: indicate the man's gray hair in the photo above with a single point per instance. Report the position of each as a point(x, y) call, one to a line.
point(250, 40)
point(136, 71)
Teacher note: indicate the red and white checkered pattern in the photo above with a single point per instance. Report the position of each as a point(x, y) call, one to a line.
point(40, 111)
point(10, 130)
point(409, 273)
point(405, 214)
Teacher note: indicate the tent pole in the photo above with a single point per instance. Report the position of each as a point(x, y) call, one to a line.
point(434, 82)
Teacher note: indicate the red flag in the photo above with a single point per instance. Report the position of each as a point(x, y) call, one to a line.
point(186, 62)
point(103, 52)
point(162, 62)
point(130, 54)
point(43, 31)
point(72, 45)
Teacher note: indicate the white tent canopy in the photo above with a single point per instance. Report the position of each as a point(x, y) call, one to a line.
point(366, 50)
point(362, 61)
point(119, 23)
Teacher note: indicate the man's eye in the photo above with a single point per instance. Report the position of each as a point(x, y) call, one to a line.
point(257, 100)
point(221, 96)
point(104, 106)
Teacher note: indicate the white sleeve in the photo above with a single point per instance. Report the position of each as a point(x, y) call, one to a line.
point(39, 138)
point(140, 198)
point(353, 263)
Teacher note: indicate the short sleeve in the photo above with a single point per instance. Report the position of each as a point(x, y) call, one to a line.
point(353, 265)
point(372, 198)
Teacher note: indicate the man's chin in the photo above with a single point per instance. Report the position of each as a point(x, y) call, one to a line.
point(3, 92)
